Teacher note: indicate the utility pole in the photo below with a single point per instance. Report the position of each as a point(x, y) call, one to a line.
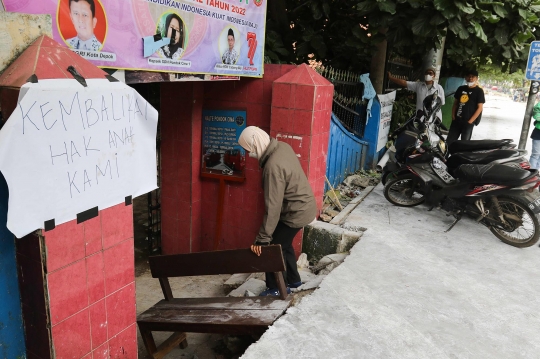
point(528, 114)
point(532, 72)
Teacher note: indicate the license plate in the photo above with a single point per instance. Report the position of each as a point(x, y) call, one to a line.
point(440, 169)
point(535, 205)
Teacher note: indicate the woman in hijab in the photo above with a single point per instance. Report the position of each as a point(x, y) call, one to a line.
point(174, 29)
point(288, 199)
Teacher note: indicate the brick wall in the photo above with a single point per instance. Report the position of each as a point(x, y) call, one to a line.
point(189, 202)
point(78, 288)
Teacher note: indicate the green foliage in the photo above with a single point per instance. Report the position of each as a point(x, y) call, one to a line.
point(345, 33)
point(493, 74)
point(403, 108)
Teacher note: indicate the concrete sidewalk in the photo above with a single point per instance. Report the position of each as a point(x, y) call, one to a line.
point(409, 290)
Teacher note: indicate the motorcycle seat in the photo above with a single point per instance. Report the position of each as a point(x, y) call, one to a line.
point(491, 174)
point(477, 145)
point(481, 158)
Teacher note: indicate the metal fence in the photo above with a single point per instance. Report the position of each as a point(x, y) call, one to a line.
point(347, 105)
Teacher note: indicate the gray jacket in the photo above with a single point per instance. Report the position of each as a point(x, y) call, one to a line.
point(287, 194)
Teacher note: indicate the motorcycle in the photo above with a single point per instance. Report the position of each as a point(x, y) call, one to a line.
point(498, 196)
point(460, 152)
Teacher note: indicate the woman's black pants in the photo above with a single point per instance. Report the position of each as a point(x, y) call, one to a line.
point(284, 236)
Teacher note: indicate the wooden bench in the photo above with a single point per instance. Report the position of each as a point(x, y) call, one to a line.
point(227, 315)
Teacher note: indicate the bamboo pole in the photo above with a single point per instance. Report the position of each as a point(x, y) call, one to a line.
point(335, 196)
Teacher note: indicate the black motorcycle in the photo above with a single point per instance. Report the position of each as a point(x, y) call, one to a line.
point(498, 196)
point(460, 152)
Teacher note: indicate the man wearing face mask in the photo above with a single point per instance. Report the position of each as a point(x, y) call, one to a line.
point(288, 199)
point(467, 109)
point(422, 89)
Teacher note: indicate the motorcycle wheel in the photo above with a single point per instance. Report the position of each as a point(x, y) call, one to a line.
point(525, 229)
point(400, 191)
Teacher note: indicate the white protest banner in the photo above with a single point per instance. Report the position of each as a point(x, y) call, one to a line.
point(387, 102)
point(68, 148)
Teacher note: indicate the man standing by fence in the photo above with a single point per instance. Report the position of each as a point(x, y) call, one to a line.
point(422, 89)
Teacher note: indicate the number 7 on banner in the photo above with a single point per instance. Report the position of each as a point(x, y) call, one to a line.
point(252, 43)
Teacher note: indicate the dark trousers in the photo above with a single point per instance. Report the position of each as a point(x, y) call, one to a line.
point(284, 236)
point(459, 128)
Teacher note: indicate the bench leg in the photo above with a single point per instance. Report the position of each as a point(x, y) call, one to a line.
point(176, 339)
point(183, 344)
point(148, 341)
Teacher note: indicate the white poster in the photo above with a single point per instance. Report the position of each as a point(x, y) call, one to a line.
point(68, 148)
point(387, 102)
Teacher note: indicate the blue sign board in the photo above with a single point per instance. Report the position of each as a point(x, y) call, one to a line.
point(222, 155)
point(533, 63)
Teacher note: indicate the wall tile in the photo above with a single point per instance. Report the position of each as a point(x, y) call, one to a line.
point(196, 234)
point(169, 206)
point(71, 338)
point(92, 235)
point(251, 163)
point(67, 291)
point(196, 150)
point(119, 266)
point(183, 152)
point(95, 277)
point(304, 97)
point(235, 196)
point(302, 122)
point(281, 95)
point(65, 245)
point(301, 146)
point(196, 190)
point(98, 323)
point(167, 244)
point(209, 189)
point(255, 115)
point(256, 91)
point(272, 72)
point(281, 119)
point(324, 98)
point(124, 345)
point(184, 173)
point(102, 352)
point(184, 229)
point(267, 92)
point(306, 166)
point(261, 207)
point(120, 310)
point(117, 224)
point(297, 243)
point(315, 147)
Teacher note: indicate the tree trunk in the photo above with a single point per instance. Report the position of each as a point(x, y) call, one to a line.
point(378, 64)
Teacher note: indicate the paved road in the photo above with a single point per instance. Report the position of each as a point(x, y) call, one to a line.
point(409, 290)
point(502, 118)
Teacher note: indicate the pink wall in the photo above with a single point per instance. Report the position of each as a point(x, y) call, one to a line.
point(88, 273)
point(189, 202)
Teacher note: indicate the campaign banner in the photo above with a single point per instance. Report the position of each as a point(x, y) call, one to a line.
point(217, 37)
point(387, 103)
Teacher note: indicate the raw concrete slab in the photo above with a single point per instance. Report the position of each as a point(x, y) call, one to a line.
point(409, 290)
